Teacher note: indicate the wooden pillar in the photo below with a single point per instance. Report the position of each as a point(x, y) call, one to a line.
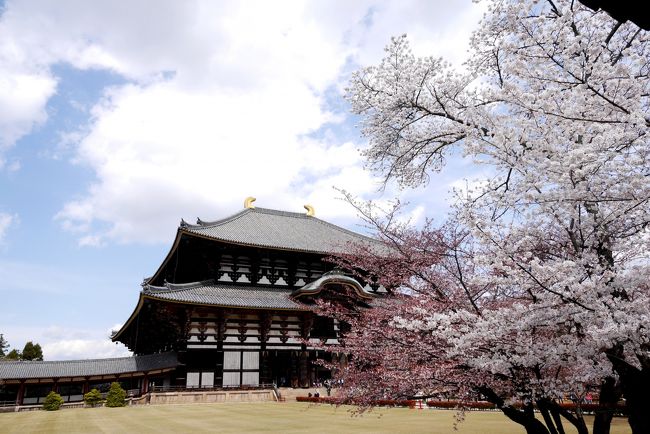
point(55, 385)
point(21, 393)
point(294, 380)
point(145, 384)
point(86, 386)
point(303, 371)
point(221, 328)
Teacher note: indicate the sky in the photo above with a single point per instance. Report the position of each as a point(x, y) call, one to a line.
point(119, 118)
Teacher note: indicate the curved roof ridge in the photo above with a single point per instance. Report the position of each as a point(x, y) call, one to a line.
point(200, 223)
point(333, 276)
point(282, 213)
point(203, 223)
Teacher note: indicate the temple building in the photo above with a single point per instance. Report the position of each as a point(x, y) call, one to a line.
point(230, 307)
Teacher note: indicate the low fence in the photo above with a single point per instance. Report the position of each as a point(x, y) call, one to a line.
point(209, 395)
point(162, 389)
point(167, 394)
point(15, 408)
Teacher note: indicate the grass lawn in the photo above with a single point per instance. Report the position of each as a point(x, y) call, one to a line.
point(258, 418)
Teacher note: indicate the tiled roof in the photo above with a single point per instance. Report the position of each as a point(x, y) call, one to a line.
point(86, 368)
point(263, 227)
point(214, 294)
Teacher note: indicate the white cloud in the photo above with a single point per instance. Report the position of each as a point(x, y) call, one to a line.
point(25, 87)
point(71, 349)
point(163, 151)
point(22, 103)
point(222, 99)
point(66, 343)
point(6, 220)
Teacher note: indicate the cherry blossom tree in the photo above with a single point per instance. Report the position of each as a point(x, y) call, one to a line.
point(555, 104)
point(427, 336)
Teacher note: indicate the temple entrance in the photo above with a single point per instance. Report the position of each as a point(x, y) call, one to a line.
point(281, 369)
point(297, 369)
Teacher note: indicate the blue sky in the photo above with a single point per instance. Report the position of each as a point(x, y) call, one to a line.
point(117, 120)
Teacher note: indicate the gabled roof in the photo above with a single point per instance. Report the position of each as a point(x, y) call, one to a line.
point(86, 368)
point(262, 227)
point(214, 294)
point(272, 229)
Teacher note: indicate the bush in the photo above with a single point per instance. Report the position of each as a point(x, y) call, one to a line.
point(53, 401)
point(93, 398)
point(116, 396)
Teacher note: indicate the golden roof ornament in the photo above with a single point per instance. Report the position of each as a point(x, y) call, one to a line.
point(310, 210)
point(248, 202)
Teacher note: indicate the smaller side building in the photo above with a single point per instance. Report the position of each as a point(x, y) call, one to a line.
point(28, 383)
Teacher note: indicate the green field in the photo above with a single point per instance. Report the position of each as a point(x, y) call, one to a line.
point(257, 418)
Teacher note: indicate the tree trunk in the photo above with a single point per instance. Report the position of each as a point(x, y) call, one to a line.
point(635, 384)
point(550, 425)
point(558, 421)
point(575, 419)
point(525, 418)
point(637, 403)
point(530, 424)
point(610, 394)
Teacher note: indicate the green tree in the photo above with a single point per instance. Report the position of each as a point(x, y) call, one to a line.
point(116, 396)
point(93, 398)
point(13, 355)
point(53, 401)
point(32, 351)
point(3, 345)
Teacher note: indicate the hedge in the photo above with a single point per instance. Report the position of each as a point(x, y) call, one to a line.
point(334, 400)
